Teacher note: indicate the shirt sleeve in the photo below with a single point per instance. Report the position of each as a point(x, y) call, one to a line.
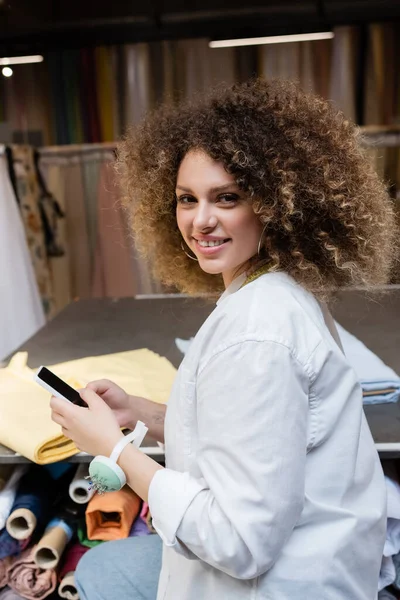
point(252, 408)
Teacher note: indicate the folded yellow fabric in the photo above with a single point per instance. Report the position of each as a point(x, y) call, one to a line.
point(25, 423)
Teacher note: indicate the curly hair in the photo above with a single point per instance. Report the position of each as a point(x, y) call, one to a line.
point(328, 219)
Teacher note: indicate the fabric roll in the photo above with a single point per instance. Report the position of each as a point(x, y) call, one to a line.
point(89, 95)
point(343, 81)
point(8, 493)
point(91, 170)
point(9, 546)
point(77, 231)
point(9, 594)
point(28, 193)
point(105, 97)
point(32, 503)
point(54, 175)
point(146, 517)
point(113, 245)
point(83, 539)
point(139, 528)
point(5, 564)
point(51, 546)
point(29, 580)
point(21, 523)
point(79, 487)
point(21, 310)
point(138, 88)
point(110, 516)
point(67, 588)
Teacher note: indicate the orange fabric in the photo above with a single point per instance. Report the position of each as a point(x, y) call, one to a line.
point(110, 516)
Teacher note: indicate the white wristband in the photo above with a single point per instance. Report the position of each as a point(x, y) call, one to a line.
point(104, 472)
point(136, 437)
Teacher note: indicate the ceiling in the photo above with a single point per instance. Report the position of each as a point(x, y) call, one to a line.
point(28, 26)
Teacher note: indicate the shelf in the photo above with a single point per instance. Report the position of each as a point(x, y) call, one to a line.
point(99, 326)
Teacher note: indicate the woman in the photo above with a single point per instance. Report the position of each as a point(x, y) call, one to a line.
point(273, 488)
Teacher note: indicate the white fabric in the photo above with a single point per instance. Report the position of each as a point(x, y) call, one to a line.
point(387, 574)
point(273, 488)
point(392, 544)
point(372, 372)
point(21, 311)
point(8, 493)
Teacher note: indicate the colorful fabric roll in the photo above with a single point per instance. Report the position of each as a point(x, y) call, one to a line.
point(32, 582)
point(51, 546)
point(110, 516)
point(71, 558)
point(35, 493)
point(82, 536)
point(80, 490)
point(139, 528)
point(9, 546)
point(146, 516)
point(8, 494)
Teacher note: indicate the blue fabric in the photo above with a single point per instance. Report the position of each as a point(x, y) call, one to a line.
point(379, 386)
point(35, 492)
point(125, 569)
point(9, 546)
point(58, 469)
point(60, 523)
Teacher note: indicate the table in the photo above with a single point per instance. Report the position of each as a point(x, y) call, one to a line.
point(101, 326)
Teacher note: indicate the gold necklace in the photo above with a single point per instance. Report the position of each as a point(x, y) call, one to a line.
point(256, 274)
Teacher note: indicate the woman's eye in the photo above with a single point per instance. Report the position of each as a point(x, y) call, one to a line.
point(185, 199)
point(228, 198)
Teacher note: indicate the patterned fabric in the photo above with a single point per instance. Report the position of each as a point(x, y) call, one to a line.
point(29, 196)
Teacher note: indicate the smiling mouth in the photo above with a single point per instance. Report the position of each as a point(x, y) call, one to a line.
point(211, 243)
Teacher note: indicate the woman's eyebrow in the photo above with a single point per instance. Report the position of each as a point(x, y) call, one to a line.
point(213, 190)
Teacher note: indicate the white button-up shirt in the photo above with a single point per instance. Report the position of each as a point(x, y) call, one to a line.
point(273, 488)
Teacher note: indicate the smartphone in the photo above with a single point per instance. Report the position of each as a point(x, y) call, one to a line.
point(57, 387)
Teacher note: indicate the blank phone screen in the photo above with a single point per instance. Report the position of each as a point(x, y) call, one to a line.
point(63, 388)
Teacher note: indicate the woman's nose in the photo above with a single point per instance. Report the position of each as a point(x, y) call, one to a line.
point(205, 217)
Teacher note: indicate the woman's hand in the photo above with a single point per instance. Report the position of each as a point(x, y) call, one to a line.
point(94, 429)
point(116, 398)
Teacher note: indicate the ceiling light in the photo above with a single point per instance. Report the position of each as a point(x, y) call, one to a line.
point(273, 39)
point(21, 60)
point(7, 72)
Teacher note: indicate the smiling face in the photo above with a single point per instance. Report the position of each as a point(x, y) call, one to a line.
point(216, 218)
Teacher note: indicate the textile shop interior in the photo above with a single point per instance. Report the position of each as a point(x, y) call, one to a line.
point(77, 296)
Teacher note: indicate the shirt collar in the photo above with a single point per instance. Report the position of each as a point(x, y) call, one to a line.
point(233, 287)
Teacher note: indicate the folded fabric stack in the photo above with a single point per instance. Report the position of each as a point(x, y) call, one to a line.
point(26, 426)
point(49, 518)
point(380, 384)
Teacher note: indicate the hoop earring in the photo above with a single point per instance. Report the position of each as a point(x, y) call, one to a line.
point(261, 237)
point(188, 255)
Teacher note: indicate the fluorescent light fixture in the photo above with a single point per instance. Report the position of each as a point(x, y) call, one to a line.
point(7, 72)
point(273, 39)
point(21, 60)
